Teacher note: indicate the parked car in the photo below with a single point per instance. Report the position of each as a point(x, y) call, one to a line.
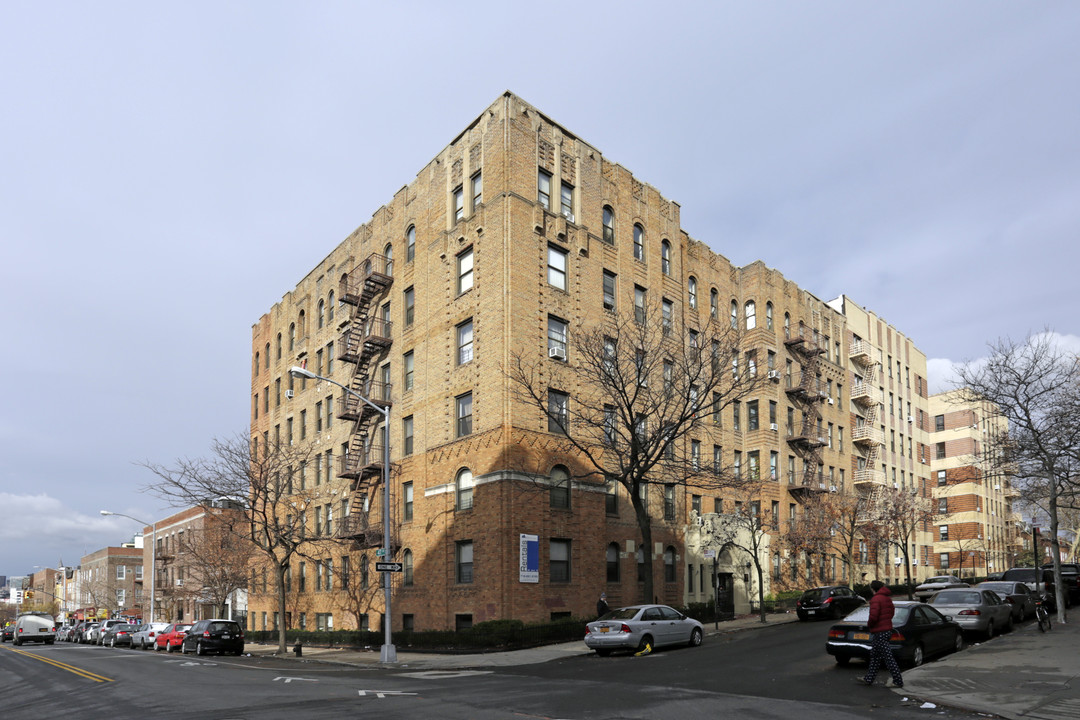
point(642, 628)
point(81, 632)
point(170, 638)
point(833, 601)
point(919, 632)
point(214, 636)
point(119, 634)
point(976, 611)
point(1014, 593)
point(64, 633)
point(934, 584)
point(146, 634)
point(103, 627)
point(1039, 581)
point(7, 633)
point(34, 627)
point(1070, 580)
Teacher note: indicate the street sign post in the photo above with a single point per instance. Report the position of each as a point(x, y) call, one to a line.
point(380, 552)
point(389, 567)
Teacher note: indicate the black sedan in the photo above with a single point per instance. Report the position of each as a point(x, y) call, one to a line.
point(832, 602)
point(919, 632)
point(118, 635)
point(7, 633)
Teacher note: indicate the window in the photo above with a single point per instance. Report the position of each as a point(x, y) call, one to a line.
point(560, 487)
point(558, 412)
point(463, 555)
point(407, 559)
point(465, 271)
point(736, 464)
point(557, 330)
point(465, 342)
point(753, 465)
point(768, 316)
point(410, 306)
point(939, 423)
point(669, 503)
point(556, 267)
point(941, 478)
point(752, 415)
point(559, 560)
point(750, 310)
point(612, 558)
point(609, 225)
point(665, 257)
point(943, 532)
point(463, 485)
point(943, 505)
point(388, 253)
point(292, 336)
point(691, 291)
point(121, 572)
point(717, 459)
point(734, 315)
point(736, 412)
point(695, 454)
point(943, 561)
point(566, 201)
point(477, 191)
point(714, 304)
point(322, 314)
point(463, 405)
point(407, 434)
point(668, 311)
point(611, 497)
point(639, 242)
point(408, 367)
point(669, 564)
point(640, 564)
point(609, 290)
point(459, 203)
point(407, 501)
point(939, 451)
point(640, 297)
point(410, 247)
point(543, 189)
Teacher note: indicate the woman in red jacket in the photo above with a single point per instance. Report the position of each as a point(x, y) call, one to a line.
point(880, 627)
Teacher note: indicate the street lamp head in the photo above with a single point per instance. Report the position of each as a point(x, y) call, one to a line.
point(106, 512)
point(298, 372)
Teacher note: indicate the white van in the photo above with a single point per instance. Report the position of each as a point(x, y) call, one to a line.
point(34, 627)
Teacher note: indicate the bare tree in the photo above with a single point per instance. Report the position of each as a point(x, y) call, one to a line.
point(897, 514)
point(270, 483)
point(1035, 386)
point(217, 557)
point(359, 593)
point(746, 529)
point(642, 385)
point(831, 522)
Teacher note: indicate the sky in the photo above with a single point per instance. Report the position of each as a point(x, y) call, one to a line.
point(168, 171)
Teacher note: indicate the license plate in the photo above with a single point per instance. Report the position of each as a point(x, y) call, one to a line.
point(604, 629)
point(860, 636)
point(811, 612)
point(224, 637)
point(43, 629)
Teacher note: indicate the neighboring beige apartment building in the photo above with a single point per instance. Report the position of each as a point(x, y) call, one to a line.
point(977, 532)
point(110, 583)
point(514, 237)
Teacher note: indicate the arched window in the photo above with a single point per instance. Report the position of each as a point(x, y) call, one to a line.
point(410, 244)
point(613, 562)
point(301, 325)
point(734, 315)
point(279, 346)
point(609, 225)
point(669, 564)
point(768, 315)
point(364, 567)
point(258, 365)
point(639, 242)
point(714, 304)
point(787, 326)
point(640, 564)
point(464, 489)
point(388, 253)
point(267, 356)
point(330, 307)
point(407, 561)
point(691, 291)
point(292, 336)
point(750, 311)
point(322, 314)
point(560, 487)
point(665, 257)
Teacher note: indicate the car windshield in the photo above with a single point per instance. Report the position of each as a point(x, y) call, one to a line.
point(812, 595)
point(626, 613)
point(222, 627)
point(998, 587)
point(862, 615)
point(954, 597)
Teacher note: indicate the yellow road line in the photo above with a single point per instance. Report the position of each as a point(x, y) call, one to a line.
point(63, 666)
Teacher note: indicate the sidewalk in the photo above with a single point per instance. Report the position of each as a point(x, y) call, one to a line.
point(530, 656)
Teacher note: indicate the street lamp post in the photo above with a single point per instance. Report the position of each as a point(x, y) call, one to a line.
point(153, 554)
point(388, 653)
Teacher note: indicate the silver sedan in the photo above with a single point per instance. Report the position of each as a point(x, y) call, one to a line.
point(1014, 593)
point(977, 611)
point(641, 628)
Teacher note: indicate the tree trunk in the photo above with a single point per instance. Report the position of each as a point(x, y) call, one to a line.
point(645, 525)
point(281, 568)
point(760, 589)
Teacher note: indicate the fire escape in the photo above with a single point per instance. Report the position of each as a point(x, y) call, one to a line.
point(867, 437)
point(364, 343)
point(807, 395)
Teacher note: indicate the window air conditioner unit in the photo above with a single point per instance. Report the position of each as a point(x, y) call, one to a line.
point(557, 352)
point(288, 394)
point(568, 215)
point(831, 401)
point(832, 488)
point(179, 582)
point(774, 375)
point(911, 418)
point(774, 427)
point(997, 487)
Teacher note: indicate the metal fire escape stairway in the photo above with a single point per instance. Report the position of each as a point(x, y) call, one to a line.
point(807, 395)
point(866, 435)
point(364, 342)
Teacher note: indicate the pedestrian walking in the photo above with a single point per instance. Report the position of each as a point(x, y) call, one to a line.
point(880, 627)
point(602, 606)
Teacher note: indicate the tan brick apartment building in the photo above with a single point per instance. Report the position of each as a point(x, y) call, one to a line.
point(977, 532)
point(109, 583)
point(515, 236)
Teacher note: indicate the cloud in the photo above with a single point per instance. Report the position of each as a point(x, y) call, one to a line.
point(942, 372)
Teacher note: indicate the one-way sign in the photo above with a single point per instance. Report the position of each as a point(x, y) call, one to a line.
point(388, 567)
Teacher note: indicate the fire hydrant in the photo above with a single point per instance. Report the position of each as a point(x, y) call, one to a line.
point(298, 648)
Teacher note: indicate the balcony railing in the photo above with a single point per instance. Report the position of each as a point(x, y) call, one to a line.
point(366, 279)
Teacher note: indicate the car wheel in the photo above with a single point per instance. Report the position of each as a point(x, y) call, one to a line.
point(958, 642)
point(199, 650)
point(645, 646)
point(695, 637)
point(917, 656)
point(113, 643)
point(843, 659)
point(1008, 625)
point(989, 629)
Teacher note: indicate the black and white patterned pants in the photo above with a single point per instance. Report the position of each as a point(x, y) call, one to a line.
point(880, 652)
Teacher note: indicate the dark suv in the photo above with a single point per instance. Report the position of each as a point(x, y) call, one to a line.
point(214, 636)
point(1070, 581)
point(832, 601)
